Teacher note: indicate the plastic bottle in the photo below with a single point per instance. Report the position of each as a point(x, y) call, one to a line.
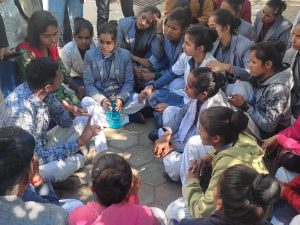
point(114, 117)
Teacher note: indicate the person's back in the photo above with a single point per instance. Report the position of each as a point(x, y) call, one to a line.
point(242, 196)
point(15, 211)
point(16, 171)
point(116, 189)
point(128, 213)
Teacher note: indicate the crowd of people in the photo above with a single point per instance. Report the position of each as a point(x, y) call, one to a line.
point(224, 95)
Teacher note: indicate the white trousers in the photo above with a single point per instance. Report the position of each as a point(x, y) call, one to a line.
point(60, 170)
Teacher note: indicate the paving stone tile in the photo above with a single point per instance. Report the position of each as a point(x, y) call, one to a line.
point(139, 155)
point(146, 194)
point(143, 140)
point(140, 128)
point(152, 173)
point(124, 141)
point(167, 193)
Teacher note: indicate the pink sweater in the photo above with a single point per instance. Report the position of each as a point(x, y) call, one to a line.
point(128, 213)
point(289, 138)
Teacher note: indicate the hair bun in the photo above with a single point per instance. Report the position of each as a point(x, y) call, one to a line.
point(266, 190)
point(238, 121)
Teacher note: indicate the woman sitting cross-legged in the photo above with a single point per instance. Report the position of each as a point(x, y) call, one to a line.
point(223, 129)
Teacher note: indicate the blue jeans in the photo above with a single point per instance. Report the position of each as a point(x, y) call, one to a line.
point(57, 8)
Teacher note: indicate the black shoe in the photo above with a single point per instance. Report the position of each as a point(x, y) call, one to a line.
point(147, 112)
point(137, 118)
point(153, 135)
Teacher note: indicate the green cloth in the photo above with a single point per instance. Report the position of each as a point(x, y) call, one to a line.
point(62, 93)
point(245, 151)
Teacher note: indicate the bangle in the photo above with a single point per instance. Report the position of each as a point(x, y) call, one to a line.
point(101, 103)
point(80, 142)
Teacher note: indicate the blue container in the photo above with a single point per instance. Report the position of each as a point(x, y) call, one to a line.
point(114, 117)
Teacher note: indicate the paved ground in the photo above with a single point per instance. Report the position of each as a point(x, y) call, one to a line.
point(131, 141)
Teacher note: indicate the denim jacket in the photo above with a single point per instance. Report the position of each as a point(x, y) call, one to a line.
point(239, 56)
point(119, 82)
point(172, 51)
point(149, 40)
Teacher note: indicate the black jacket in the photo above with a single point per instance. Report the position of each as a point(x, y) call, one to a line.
point(3, 39)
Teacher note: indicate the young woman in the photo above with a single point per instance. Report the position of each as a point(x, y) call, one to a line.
point(292, 57)
point(270, 25)
point(222, 128)
point(108, 74)
point(242, 196)
point(198, 41)
point(245, 11)
point(140, 36)
point(201, 9)
point(273, 81)
point(117, 202)
point(231, 50)
point(73, 53)
point(203, 88)
point(234, 7)
point(41, 41)
point(175, 25)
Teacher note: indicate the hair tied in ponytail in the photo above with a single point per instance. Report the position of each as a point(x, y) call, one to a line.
point(250, 194)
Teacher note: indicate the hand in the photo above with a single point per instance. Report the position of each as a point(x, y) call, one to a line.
point(236, 100)
point(106, 105)
point(283, 186)
point(217, 66)
point(160, 107)
point(80, 93)
point(148, 76)
point(119, 104)
point(36, 179)
point(76, 111)
point(270, 143)
point(135, 185)
point(205, 161)
point(138, 72)
point(194, 169)
point(145, 62)
point(4, 52)
point(89, 132)
point(145, 93)
point(162, 146)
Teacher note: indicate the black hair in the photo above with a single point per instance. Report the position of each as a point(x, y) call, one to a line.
point(278, 6)
point(109, 28)
point(268, 51)
point(180, 16)
point(16, 152)
point(247, 196)
point(37, 25)
point(224, 122)
point(236, 5)
point(225, 18)
point(202, 35)
point(40, 72)
point(207, 80)
point(82, 24)
point(152, 9)
point(111, 178)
